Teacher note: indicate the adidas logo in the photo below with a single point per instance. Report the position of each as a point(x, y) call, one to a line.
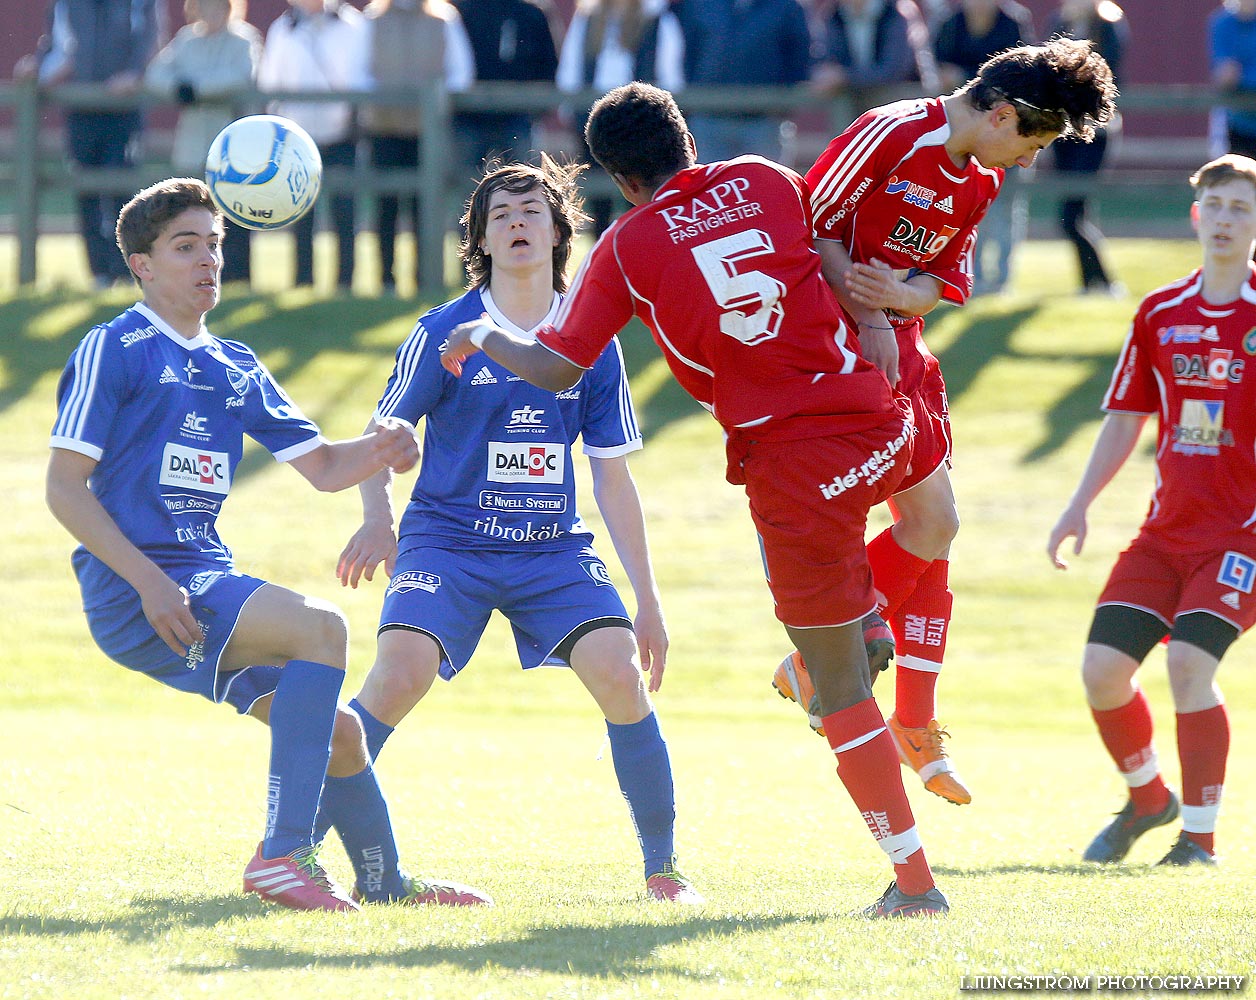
point(1231, 599)
point(945, 205)
point(168, 376)
point(484, 377)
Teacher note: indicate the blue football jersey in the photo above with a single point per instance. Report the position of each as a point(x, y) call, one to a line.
point(497, 470)
point(165, 419)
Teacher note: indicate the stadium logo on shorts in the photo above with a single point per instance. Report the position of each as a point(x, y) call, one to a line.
point(404, 583)
point(1237, 571)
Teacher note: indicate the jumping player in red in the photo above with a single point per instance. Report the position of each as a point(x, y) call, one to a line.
point(719, 263)
point(897, 198)
point(1188, 576)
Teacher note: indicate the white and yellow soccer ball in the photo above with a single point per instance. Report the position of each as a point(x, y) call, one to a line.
point(263, 171)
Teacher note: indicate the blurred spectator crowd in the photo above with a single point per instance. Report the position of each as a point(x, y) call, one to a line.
point(829, 47)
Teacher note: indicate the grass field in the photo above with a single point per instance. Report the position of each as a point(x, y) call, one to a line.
point(127, 812)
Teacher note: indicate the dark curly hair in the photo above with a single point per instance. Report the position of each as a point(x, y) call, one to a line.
point(557, 181)
point(1063, 86)
point(144, 217)
point(638, 131)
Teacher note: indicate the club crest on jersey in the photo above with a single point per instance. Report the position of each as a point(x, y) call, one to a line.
point(1249, 341)
point(913, 194)
point(1237, 571)
point(239, 380)
point(404, 583)
point(920, 242)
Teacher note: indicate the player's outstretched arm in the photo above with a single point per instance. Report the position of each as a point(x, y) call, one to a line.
point(527, 359)
point(877, 340)
point(164, 602)
point(376, 540)
point(620, 506)
point(1117, 437)
point(337, 465)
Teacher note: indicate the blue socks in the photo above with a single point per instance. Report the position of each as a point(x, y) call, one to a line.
point(376, 732)
point(355, 806)
point(644, 770)
point(302, 714)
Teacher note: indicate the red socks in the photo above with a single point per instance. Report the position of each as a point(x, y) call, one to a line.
point(1203, 745)
point(1126, 732)
point(920, 628)
point(867, 764)
point(894, 572)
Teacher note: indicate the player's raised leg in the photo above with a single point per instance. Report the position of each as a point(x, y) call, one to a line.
point(606, 662)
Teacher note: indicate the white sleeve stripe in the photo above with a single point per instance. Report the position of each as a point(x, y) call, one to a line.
point(407, 367)
point(78, 399)
point(73, 444)
point(627, 415)
point(613, 452)
point(297, 450)
point(842, 171)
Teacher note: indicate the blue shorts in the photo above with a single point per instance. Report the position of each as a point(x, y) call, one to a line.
point(124, 635)
point(449, 594)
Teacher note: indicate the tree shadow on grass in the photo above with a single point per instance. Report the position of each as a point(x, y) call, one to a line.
point(145, 918)
point(595, 951)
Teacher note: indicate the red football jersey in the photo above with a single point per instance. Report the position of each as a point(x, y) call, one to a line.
point(721, 267)
point(1186, 361)
point(887, 189)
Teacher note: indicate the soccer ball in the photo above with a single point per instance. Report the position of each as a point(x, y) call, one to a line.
point(263, 171)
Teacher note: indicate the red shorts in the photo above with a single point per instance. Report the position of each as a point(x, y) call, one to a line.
point(933, 428)
point(810, 501)
point(1169, 584)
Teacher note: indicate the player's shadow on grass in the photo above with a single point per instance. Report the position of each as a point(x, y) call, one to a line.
point(596, 951)
point(143, 919)
point(982, 338)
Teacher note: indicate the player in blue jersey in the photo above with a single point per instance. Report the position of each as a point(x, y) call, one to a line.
point(152, 410)
point(492, 521)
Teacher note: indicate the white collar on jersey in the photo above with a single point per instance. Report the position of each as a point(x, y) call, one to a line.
point(500, 319)
point(202, 339)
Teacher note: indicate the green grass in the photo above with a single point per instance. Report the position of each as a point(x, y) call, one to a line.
point(127, 812)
